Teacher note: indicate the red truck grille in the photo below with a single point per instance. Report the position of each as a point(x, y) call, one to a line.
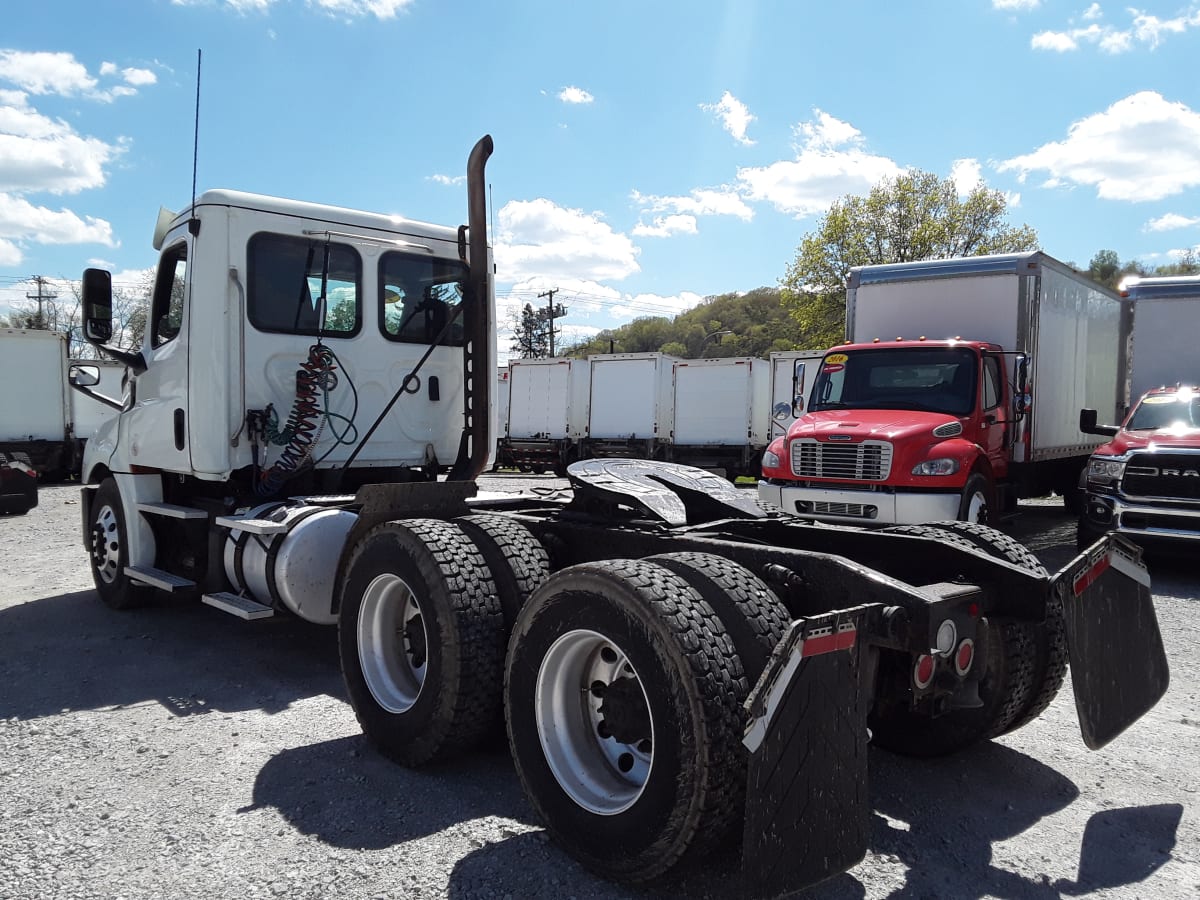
point(868, 461)
point(1169, 475)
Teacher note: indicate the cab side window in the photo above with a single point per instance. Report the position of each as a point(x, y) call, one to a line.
point(166, 308)
point(286, 275)
point(991, 382)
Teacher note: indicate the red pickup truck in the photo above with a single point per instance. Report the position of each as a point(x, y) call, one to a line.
point(1145, 482)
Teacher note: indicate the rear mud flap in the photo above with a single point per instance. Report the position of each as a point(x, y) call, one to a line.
point(807, 809)
point(1118, 666)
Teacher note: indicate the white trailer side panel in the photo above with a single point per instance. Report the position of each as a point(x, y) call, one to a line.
point(1075, 364)
point(714, 402)
point(538, 398)
point(630, 396)
point(34, 404)
point(972, 307)
point(502, 382)
point(1166, 331)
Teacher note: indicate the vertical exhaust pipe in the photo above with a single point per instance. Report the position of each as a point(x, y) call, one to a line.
point(479, 372)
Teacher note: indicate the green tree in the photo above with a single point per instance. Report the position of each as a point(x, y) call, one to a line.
point(1105, 268)
point(1188, 264)
point(530, 338)
point(911, 217)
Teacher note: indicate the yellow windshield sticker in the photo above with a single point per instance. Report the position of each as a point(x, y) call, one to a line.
point(1161, 398)
point(836, 358)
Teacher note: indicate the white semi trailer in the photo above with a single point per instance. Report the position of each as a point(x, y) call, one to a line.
point(1166, 323)
point(673, 665)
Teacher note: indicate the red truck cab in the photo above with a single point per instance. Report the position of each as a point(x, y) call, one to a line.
point(899, 431)
point(1145, 482)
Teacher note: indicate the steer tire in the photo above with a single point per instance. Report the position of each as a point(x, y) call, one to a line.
point(753, 616)
point(421, 637)
point(108, 538)
point(658, 662)
point(1006, 690)
point(517, 560)
point(1050, 643)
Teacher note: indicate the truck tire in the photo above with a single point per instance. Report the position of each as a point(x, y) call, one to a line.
point(109, 550)
point(1050, 642)
point(1006, 690)
point(753, 616)
point(643, 773)
point(976, 500)
point(517, 560)
point(421, 637)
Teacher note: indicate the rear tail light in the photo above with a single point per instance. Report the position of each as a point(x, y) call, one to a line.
point(964, 656)
point(923, 671)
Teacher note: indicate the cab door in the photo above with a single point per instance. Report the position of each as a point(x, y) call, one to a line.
point(993, 422)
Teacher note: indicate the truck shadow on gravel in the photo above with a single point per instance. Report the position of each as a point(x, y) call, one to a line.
point(71, 652)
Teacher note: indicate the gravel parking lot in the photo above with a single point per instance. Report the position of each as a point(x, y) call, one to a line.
point(176, 751)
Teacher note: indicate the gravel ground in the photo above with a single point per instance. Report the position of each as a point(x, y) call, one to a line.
point(180, 752)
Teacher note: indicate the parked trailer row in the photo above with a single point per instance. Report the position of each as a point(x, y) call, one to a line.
point(718, 414)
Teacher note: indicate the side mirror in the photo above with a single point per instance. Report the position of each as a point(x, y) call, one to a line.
point(84, 376)
point(97, 306)
point(798, 389)
point(1087, 424)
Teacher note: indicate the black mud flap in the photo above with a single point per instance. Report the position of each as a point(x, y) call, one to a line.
point(1118, 666)
point(807, 809)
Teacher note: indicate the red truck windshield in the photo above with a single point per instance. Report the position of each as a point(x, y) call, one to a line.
point(934, 379)
point(1157, 411)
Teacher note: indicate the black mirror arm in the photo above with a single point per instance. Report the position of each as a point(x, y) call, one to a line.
point(133, 359)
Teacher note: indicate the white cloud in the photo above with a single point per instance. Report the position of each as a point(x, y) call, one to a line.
point(665, 226)
point(1171, 222)
point(830, 163)
point(1144, 29)
point(735, 117)
point(448, 179)
point(45, 73)
point(10, 253)
point(139, 77)
point(1141, 148)
point(540, 238)
point(42, 154)
point(966, 175)
point(575, 95)
point(1016, 4)
point(678, 215)
point(347, 9)
point(240, 6)
point(634, 305)
point(20, 219)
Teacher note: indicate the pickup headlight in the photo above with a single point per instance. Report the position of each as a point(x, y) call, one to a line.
point(1103, 470)
point(945, 466)
point(771, 460)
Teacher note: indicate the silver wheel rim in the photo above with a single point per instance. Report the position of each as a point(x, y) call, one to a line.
point(604, 773)
point(392, 643)
point(977, 508)
point(106, 545)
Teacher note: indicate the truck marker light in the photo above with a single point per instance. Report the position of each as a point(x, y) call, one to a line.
point(973, 610)
point(923, 671)
point(964, 657)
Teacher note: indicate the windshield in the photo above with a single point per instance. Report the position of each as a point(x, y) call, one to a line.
point(934, 379)
point(1176, 411)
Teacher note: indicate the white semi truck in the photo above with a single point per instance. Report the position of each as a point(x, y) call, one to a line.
point(672, 664)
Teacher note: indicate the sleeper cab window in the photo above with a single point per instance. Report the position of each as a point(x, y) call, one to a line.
point(166, 308)
point(419, 299)
point(286, 275)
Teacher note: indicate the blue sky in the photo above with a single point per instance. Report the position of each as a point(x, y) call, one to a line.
point(648, 154)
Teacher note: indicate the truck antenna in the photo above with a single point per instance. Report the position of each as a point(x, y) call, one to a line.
point(196, 133)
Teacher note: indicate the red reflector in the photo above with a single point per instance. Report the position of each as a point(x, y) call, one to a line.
point(923, 671)
point(828, 643)
point(1085, 579)
point(973, 610)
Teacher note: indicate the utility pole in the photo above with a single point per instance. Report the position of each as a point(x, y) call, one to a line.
point(42, 295)
point(552, 312)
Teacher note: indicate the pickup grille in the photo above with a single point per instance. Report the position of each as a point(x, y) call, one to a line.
point(868, 461)
point(1168, 475)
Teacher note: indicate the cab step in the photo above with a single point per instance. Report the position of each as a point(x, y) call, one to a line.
point(172, 511)
point(164, 581)
point(253, 526)
point(236, 604)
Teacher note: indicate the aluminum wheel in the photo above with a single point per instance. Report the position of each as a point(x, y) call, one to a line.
point(392, 644)
point(977, 509)
point(594, 722)
point(106, 545)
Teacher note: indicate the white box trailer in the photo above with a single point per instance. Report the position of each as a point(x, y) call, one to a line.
point(630, 404)
point(721, 413)
point(547, 413)
point(1073, 331)
point(35, 402)
point(1166, 325)
point(791, 378)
